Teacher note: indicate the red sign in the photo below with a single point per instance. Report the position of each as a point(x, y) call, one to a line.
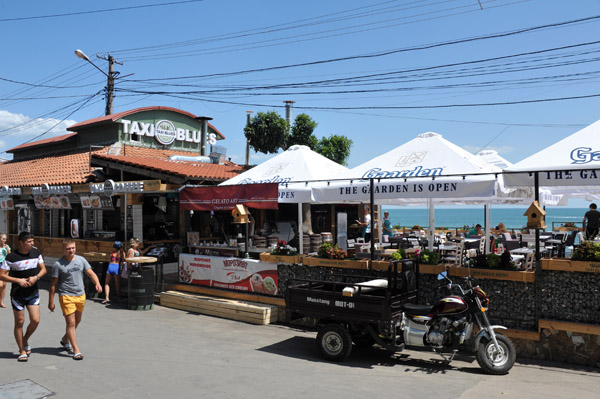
point(212, 198)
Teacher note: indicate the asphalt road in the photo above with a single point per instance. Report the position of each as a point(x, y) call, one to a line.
point(166, 353)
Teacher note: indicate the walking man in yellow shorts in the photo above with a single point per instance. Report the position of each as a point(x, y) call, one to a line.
point(67, 276)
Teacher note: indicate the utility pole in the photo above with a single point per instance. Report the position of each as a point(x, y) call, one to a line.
point(111, 76)
point(248, 119)
point(110, 84)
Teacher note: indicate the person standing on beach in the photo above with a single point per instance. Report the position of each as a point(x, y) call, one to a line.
point(67, 276)
point(23, 268)
point(4, 251)
point(591, 222)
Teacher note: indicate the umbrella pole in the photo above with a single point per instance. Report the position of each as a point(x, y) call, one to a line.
point(372, 203)
point(300, 232)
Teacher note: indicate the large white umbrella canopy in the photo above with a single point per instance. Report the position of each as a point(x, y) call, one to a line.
point(524, 194)
point(289, 169)
point(571, 166)
point(414, 171)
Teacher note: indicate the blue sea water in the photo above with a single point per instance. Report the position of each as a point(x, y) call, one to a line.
point(458, 217)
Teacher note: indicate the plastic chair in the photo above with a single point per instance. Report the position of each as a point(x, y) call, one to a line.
point(455, 257)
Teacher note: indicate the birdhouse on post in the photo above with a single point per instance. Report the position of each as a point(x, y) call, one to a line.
point(241, 214)
point(536, 216)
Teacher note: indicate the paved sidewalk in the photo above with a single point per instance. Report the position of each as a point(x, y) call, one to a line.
point(171, 353)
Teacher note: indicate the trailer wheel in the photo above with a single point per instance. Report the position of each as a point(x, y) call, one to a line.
point(334, 342)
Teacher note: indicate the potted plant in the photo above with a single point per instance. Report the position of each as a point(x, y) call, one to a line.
point(283, 248)
point(329, 251)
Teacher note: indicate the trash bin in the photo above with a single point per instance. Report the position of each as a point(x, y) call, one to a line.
point(140, 289)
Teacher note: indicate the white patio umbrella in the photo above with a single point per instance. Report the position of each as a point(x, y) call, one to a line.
point(291, 169)
point(570, 167)
point(428, 168)
point(525, 194)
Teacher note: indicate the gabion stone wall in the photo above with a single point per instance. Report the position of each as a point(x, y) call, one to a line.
point(571, 296)
point(562, 346)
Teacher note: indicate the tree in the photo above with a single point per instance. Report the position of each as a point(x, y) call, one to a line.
point(267, 132)
point(302, 132)
point(336, 148)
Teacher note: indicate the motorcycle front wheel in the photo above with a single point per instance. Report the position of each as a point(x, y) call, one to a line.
point(492, 361)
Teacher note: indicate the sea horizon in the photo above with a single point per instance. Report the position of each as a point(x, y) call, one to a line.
point(453, 217)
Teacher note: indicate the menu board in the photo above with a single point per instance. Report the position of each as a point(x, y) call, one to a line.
point(97, 202)
point(7, 203)
point(52, 202)
point(85, 201)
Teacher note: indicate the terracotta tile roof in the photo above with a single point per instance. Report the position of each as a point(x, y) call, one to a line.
point(74, 168)
point(114, 117)
point(158, 160)
point(56, 139)
point(62, 169)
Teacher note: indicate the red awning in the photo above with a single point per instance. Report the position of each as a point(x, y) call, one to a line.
point(212, 198)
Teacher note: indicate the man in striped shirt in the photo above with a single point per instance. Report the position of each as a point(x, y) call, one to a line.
point(23, 268)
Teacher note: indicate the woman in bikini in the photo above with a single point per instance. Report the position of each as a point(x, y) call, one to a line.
point(116, 260)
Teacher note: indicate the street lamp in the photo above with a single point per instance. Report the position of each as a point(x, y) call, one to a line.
point(110, 85)
point(81, 54)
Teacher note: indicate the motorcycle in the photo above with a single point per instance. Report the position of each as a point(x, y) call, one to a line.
point(449, 324)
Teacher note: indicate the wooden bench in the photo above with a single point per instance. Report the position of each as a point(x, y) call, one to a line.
point(249, 312)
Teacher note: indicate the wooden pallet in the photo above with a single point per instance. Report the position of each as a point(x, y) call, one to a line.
point(249, 312)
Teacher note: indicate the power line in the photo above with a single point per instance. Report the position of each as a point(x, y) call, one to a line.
point(45, 86)
point(334, 32)
point(254, 31)
point(382, 53)
point(97, 11)
point(383, 107)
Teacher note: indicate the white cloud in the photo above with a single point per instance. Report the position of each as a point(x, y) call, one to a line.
point(16, 129)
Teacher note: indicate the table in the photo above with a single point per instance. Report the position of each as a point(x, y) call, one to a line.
point(97, 256)
point(446, 247)
point(142, 259)
point(522, 251)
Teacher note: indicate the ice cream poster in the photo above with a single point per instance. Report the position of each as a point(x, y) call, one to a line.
point(195, 269)
point(248, 275)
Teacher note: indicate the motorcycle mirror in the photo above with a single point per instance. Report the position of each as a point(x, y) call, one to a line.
point(442, 275)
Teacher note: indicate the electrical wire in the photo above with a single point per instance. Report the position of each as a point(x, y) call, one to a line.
point(383, 53)
point(70, 14)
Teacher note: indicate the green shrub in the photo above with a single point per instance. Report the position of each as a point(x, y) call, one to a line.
point(398, 255)
point(430, 257)
point(587, 251)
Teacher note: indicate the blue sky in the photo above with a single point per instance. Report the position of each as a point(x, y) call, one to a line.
point(199, 38)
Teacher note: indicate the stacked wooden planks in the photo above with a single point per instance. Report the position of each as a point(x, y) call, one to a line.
point(249, 312)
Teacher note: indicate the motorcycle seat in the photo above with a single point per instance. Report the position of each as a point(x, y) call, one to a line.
point(417, 310)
